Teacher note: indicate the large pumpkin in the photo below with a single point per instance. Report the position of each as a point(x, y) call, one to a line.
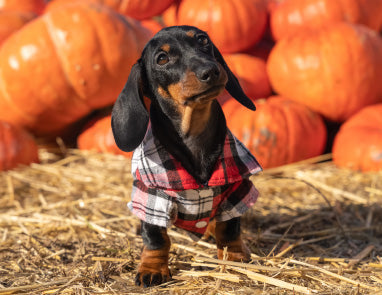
point(98, 136)
point(358, 144)
point(233, 25)
point(279, 132)
point(17, 147)
point(66, 63)
point(335, 71)
point(11, 21)
point(36, 6)
point(251, 73)
point(138, 9)
point(293, 15)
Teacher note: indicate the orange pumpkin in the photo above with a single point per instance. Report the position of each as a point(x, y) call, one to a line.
point(66, 63)
point(335, 70)
point(358, 144)
point(170, 15)
point(233, 25)
point(251, 73)
point(17, 147)
point(36, 6)
point(138, 9)
point(11, 21)
point(98, 136)
point(293, 15)
point(279, 132)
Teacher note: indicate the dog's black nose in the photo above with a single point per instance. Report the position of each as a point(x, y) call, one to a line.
point(208, 73)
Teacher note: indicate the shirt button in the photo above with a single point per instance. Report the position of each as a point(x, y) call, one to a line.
point(201, 224)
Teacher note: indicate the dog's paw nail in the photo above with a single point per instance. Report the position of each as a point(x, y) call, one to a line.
point(138, 279)
point(149, 279)
point(156, 279)
point(146, 280)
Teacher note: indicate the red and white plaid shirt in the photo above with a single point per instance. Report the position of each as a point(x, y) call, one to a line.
point(164, 193)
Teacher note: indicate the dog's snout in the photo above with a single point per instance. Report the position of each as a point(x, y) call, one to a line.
point(208, 73)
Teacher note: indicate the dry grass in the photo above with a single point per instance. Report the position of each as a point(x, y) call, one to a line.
point(65, 229)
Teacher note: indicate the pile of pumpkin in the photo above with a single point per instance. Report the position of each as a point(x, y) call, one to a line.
point(305, 63)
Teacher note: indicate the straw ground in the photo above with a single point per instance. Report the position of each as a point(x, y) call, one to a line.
point(65, 229)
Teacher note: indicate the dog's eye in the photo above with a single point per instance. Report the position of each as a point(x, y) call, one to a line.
point(162, 59)
point(202, 40)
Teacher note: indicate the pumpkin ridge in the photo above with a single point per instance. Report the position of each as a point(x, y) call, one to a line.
point(367, 46)
point(278, 113)
point(63, 60)
point(330, 77)
point(99, 42)
point(12, 146)
point(9, 150)
point(327, 71)
point(290, 134)
point(131, 32)
point(123, 4)
point(60, 56)
point(352, 78)
point(210, 15)
point(9, 102)
point(237, 15)
point(133, 37)
point(343, 9)
point(362, 12)
point(3, 156)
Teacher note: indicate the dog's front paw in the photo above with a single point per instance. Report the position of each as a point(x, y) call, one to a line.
point(153, 269)
point(148, 277)
point(236, 251)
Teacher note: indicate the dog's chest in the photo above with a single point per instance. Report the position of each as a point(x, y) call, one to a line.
point(153, 165)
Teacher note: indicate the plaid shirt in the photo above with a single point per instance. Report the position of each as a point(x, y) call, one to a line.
point(164, 193)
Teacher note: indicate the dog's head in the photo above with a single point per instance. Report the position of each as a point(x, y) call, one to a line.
point(179, 67)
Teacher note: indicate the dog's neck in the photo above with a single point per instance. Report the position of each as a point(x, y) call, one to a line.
point(193, 135)
point(194, 120)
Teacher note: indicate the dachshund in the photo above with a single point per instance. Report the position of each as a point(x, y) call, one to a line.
point(188, 168)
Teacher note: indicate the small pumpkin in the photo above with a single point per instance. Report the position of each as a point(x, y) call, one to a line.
point(98, 136)
point(233, 25)
point(65, 64)
point(35, 6)
point(335, 71)
point(290, 16)
point(358, 144)
point(138, 9)
point(251, 73)
point(11, 21)
point(279, 132)
point(17, 147)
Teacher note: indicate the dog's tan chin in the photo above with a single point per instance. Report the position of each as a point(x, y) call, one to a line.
point(205, 96)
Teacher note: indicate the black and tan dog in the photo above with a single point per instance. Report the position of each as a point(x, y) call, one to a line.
point(187, 165)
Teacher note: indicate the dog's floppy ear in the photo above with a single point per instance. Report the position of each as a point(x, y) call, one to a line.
point(129, 118)
point(233, 86)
